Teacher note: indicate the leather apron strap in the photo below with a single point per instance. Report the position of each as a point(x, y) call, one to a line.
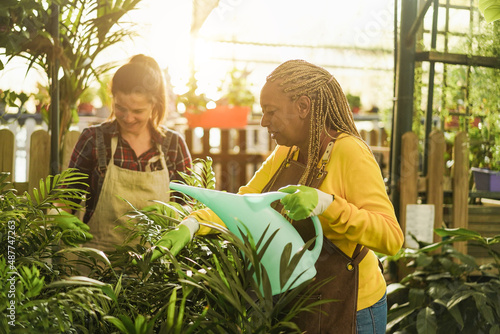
point(338, 316)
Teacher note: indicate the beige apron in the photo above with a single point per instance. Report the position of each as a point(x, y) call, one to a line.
point(138, 188)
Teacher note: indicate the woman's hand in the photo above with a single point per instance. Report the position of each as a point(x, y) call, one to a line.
point(74, 231)
point(303, 202)
point(177, 239)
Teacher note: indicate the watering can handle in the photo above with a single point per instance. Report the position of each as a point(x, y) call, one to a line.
point(272, 196)
point(318, 244)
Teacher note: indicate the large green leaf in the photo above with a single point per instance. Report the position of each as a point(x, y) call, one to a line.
point(426, 321)
point(490, 9)
point(399, 314)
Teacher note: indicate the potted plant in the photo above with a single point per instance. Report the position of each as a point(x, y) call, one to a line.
point(194, 102)
point(354, 102)
point(231, 111)
point(485, 153)
point(24, 33)
point(85, 102)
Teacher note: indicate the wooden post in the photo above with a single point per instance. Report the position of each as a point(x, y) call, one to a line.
point(435, 177)
point(188, 137)
point(205, 143)
point(242, 143)
point(7, 142)
point(39, 158)
point(383, 138)
point(374, 136)
point(70, 139)
point(409, 175)
point(460, 213)
point(364, 135)
point(226, 167)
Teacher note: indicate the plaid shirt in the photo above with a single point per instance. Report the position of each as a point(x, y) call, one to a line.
point(85, 157)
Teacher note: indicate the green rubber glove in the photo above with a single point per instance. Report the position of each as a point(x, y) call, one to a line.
point(74, 230)
point(175, 240)
point(303, 202)
point(160, 209)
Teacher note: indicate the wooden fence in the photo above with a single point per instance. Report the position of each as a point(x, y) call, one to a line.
point(430, 188)
point(435, 187)
point(237, 153)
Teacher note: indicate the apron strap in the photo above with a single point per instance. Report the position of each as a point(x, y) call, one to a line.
point(101, 156)
point(154, 159)
point(161, 157)
point(359, 254)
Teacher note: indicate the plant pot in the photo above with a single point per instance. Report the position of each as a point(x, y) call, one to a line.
point(486, 180)
point(224, 117)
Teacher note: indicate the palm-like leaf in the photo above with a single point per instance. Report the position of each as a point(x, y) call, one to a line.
point(214, 285)
point(86, 29)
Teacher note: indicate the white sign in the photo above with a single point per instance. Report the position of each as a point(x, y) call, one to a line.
point(420, 223)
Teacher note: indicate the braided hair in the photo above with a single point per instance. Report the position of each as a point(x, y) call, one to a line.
point(329, 107)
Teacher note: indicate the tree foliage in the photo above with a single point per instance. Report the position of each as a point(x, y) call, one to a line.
point(86, 28)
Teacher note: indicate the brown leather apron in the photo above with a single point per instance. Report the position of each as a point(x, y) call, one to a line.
point(333, 317)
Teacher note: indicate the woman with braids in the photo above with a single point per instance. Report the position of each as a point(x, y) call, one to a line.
point(132, 155)
point(330, 172)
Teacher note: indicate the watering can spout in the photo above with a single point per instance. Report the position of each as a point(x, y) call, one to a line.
point(252, 213)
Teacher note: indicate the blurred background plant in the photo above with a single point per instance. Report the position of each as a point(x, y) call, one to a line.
point(85, 28)
point(193, 100)
point(445, 290)
point(235, 89)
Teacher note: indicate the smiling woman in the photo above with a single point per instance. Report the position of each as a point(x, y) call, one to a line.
point(131, 156)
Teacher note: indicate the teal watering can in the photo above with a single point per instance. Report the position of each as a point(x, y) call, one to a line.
point(253, 213)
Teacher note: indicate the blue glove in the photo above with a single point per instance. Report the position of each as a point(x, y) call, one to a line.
point(303, 202)
point(74, 230)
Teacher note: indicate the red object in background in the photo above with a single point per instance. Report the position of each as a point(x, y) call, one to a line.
point(224, 117)
point(452, 123)
point(86, 109)
point(476, 121)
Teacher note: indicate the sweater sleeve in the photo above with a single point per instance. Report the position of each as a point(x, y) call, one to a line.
point(362, 211)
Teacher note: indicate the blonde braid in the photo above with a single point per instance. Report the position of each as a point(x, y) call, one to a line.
point(329, 107)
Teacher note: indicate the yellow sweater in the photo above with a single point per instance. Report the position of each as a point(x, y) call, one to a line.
point(361, 212)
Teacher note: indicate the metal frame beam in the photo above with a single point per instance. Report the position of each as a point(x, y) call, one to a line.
point(54, 95)
point(403, 109)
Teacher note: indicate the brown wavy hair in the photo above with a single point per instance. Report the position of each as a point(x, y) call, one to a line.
point(142, 75)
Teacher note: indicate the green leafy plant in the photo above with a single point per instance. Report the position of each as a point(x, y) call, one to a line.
point(235, 89)
point(484, 145)
point(212, 286)
point(490, 9)
point(193, 100)
point(33, 262)
point(447, 291)
point(86, 29)
point(10, 98)
point(353, 100)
